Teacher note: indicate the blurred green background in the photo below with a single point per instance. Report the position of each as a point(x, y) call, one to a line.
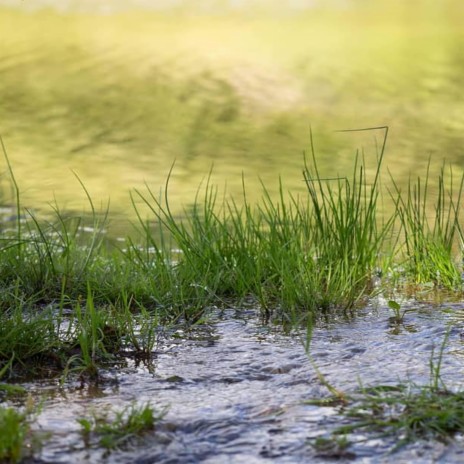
point(118, 90)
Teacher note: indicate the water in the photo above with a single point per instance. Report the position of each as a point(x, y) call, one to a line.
point(118, 98)
point(236, 388)
point(112, 6)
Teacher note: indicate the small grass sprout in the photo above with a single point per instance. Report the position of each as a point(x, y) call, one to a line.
point(131, 422)
point(335, 447)
point(398, 317)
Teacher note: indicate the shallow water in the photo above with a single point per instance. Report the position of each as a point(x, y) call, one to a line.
point(235, 389)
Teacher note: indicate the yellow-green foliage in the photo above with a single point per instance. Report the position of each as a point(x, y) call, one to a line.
point(13, 431)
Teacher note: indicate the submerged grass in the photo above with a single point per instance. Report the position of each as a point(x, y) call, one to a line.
point(411, 413)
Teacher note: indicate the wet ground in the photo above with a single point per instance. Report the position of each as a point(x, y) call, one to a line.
point(235, 389)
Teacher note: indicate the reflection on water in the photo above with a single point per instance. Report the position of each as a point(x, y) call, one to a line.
point(236, 389)
point(119, 98)
point(111, 6)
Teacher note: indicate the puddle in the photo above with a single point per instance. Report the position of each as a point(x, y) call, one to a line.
point(235, 390)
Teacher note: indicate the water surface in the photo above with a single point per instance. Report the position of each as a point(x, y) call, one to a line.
point(236, 389)
point(119, 97)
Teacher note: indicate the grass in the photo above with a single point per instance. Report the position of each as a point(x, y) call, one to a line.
point(406, 412)
point(16, 439)
point(296, 256)
point(125, 425)
point(347, 235)
point(411, 413)
point(72, 305)
point(13, 431)
point(431, 242)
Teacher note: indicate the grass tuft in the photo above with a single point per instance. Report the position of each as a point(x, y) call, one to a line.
point(407, 412)
point(127, 424)
point(430, 241)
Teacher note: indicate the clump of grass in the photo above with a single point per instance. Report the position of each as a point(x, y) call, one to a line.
point(7, 390)
point(88, 328)
point(45, 259)
point(129, 423)
point(75, 342)
point(333, 447)
point(28, 341)
point(300, 255)
point(411, 413)
point(407, 411)
point(430, 243)
point(50, 262)
point(142, 330)
point(13, 430)
point(192, 262)
point(99, 336)
point(16, 439)
point(347, 235)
